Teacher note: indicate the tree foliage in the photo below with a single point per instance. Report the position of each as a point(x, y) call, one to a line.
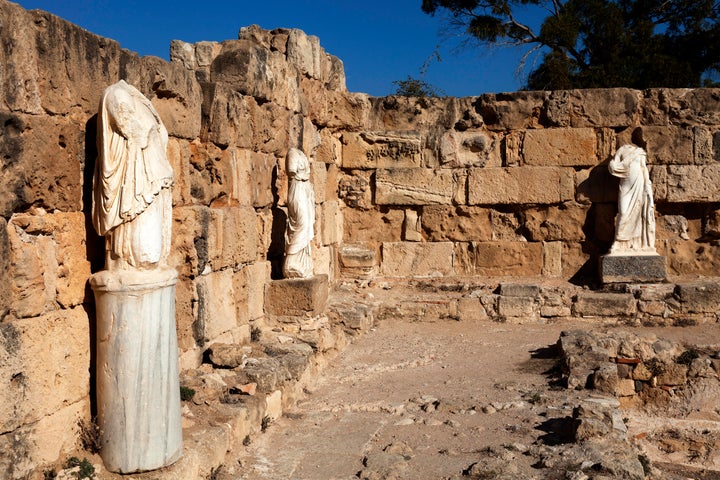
point(601, 43)
point(415, 87)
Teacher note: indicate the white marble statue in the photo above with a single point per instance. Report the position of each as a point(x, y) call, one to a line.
point(635, 221)
point(138, 392)
point(301, 217)
point(132, 199)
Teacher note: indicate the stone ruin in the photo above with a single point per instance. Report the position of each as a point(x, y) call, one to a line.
point(508, 192)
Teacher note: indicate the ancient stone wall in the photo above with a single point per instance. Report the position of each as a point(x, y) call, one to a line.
point(232, 110)
point(517, 184)
point(512, 184)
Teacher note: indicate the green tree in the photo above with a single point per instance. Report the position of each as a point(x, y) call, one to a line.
point(601, 43)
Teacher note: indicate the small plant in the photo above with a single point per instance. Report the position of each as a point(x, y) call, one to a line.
point(49, 474)
point(186, 393)
point(687, 357)
point(535, 398)
point(655, 366)
point(247, 440)
point(90, 437)
point(86, 469)
point(266, 421)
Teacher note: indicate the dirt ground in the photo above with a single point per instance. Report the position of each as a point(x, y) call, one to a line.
point(429, 399)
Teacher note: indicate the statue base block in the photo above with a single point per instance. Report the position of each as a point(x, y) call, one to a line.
point(632, 269)
point(297, 296)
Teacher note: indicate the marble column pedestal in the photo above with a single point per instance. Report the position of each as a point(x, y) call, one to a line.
point(138, 392)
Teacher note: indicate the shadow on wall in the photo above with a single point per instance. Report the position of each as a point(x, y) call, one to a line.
point(276, 250)
point(94, 248)
point(601, 189)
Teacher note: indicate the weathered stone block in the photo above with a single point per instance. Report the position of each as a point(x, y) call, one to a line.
point(456, 223)
point(318, 177)
point(252, 177)
point(297, 296)
point(330, 149)
point(552, 259)
point(217, 312)
point(186, 304)
point(357, 260)
point(555, 222)
point(700, 297)
point(383, 225)
point(508, 258)
point(354, 189)
point(673, 374)
point(381, 150)
point(249, 286)
point(232, 236)
point(604, 304)
point(469, 149)
point(520, 185)
point(600, 107)
point(596, 185)
point(470, 308)
point(45, 365)
point(632, 269)
point(668, 145)
point(412, 227)
point(419, 186)
point(412, 259)
point(519, 290)
point(565, 147)
point(512, 111)
point(518, 307)
point(693, 183)
point(331, 220)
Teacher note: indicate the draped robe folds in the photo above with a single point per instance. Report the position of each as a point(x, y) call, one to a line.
point(132, 200)
point(301, 217)
point(635, 222)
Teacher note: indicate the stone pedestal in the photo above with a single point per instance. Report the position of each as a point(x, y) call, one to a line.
point(632, 269)
point(296, 297)
point(138, 391)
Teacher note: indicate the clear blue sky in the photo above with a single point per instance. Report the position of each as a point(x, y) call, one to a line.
point(378, 41)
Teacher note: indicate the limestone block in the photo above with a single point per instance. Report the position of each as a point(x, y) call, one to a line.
point(304, 52)
point(512, 111)
point(383, 225)
point(330, 149)
point(556, 222)
point(565, 147)
point(518, 307)
point(183, 53)
point(412, 226)
point(411, 259)
point(190, 232)
point(605, 378)
point(210, 172)
point(252, 177)
point(398, 113)
point(698, 297)
point(357, 260)
point(249, 287)
point(704, 146)
point(604, 304)
point(186, 303)
point(470, 308)
point(318, 177)
point(667, 145)
point(273, 405)
point(693, 183)
point(513, 148)
point(681, 106)
point(334, 109)
point(231, 117)
point(526, 290)
point(232, 236)
point(456, 223)
point(42, 163)
point(508, 258)
point(616, 107)
point(505, 227)
point(552, 259)
point(246, 66)
point(174, 92)
point(419, 186)
point(520, 185)
point(331, 183)
point(44, 365)
point(323, 261)
point(48, 261)
point(368, 150)
point(333, 73)
point(469, 149)
point(43, 442)
point(332, 223)
point(658, 177)
point(297, 296)
point(178, 154)
point(217, 311)
point(673, 375)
